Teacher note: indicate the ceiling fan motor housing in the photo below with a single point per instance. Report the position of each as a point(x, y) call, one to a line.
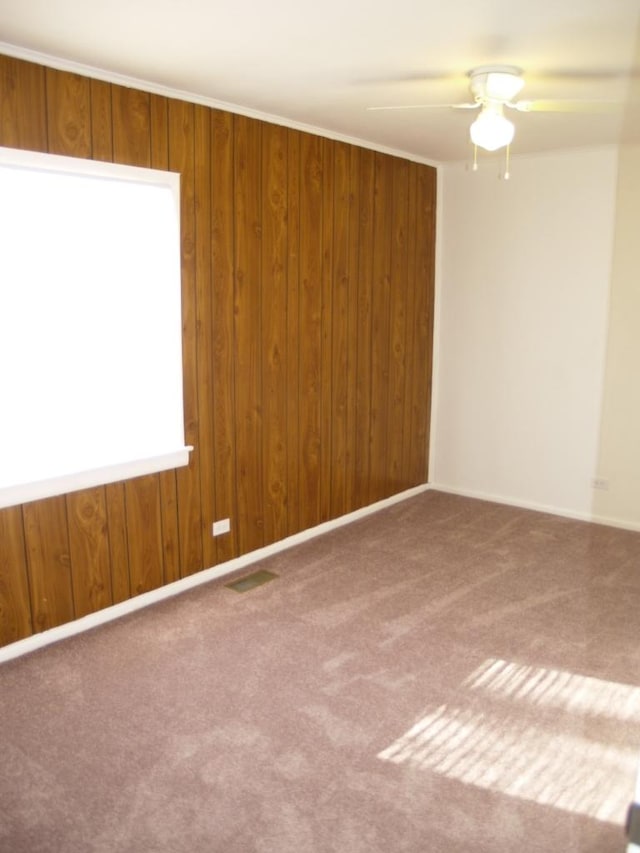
point(497, 83)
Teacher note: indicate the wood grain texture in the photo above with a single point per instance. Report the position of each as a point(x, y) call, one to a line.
point(89, 551)
point(293, 331)
point(310, 322)
point(170, 527)
point(144, 533)
point(397, 326)
point(248, 333)
point(223, 286)
point(274, 312)
point(15, 608)
point(48, 562)
point(182, 160)
point(68, 113)
point(340, 367)
point(132, 137)
point(131, 126)
point(101, 123)
point(159, 159)
point(23, 105)
point(412, 370)
point(326, 330)
point(118, 541)
point(353, 253)
point(307, 313)
point(363, 332)
point(159, 129)
point(204, 368)
point(379, 440)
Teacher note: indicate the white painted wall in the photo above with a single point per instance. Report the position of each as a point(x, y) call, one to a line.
point(619, 459)
point(521, 328)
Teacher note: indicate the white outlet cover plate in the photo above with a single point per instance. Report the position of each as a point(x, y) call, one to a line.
point(222, 526)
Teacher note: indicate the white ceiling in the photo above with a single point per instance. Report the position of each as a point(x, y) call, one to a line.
point(320, 64)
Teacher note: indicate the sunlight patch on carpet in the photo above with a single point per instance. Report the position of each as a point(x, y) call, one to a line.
point(506, 751)
point(553, 688)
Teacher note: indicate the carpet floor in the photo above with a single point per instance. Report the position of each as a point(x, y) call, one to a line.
point(445, 675)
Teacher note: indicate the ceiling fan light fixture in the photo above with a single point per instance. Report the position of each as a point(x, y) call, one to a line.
point(491, 130)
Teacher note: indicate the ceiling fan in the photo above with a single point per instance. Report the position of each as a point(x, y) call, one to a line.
point(494, 88)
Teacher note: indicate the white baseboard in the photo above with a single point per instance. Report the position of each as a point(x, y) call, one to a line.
point(552, 510)
point(115, 611)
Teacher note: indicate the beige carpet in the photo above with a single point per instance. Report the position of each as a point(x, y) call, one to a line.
point(445, 675)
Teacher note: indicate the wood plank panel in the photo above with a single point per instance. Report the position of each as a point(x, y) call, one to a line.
point(22, 105)
point(131, 126)
point(293, 331)
point(326, 329)
point(170, 532)
point(69, 133)
point(89, 551)
point(68, 113)
point(131, 116)
point(274, 330)
point(310, 320)
point(397, 326)
point(48, 562)
point(144, 533)
point(101, 125)
point(353, 251)
point(204, 332)
point(15, 608)
point(248, 333)
point(411, 366)
point(181, 159)
point(159, 128)
point(364, 296)
point(222, 260)
point(378, 483)
point(339, 317)
point(118, 541)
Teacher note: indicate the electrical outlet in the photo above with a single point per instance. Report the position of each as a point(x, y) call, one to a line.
point(600, 483)
point(222, 526)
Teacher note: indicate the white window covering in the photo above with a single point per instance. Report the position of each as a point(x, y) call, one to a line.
point(90, 324)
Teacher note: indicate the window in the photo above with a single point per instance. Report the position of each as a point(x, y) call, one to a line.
point(90, 324)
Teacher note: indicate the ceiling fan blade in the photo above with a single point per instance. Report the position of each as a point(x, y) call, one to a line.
point(412, 77)
point(585, 74)
point(559, 105)
point(473, 106)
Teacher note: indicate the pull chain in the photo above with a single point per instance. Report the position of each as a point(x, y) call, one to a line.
point(507, 156)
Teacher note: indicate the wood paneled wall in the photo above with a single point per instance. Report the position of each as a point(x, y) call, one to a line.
point(307, 310)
